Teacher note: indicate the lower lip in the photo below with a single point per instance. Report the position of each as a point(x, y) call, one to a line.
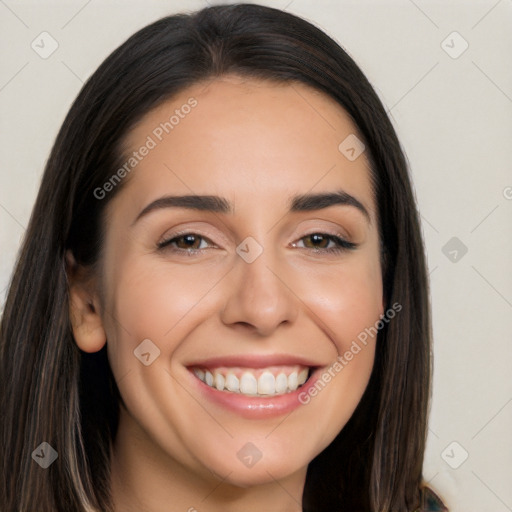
point(255, 407)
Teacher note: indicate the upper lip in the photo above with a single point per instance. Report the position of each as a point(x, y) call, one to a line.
point(254, 361)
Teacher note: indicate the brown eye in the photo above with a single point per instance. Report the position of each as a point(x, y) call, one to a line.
point(185, 242)
point(189, 241)
point(320, 241)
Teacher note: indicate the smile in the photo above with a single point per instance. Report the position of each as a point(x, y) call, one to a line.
point(260, 382)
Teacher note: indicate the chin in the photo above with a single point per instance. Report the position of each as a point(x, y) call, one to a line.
point(264, 474)
point(232, 469)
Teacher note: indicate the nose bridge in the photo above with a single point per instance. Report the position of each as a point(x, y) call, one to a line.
point(258, 295)
point(261, 274)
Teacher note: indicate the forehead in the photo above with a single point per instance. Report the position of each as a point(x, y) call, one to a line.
point(245, 138)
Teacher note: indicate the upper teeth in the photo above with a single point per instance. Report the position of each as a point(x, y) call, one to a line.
point(262, 382)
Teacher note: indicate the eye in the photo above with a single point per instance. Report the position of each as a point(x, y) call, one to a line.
point(192, 243)
point(319, 242)
point(184, 242)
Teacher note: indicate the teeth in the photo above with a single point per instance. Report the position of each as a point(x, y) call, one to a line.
point(248, 384)
point(232, 383)
point(265, 382)
point(303, 377)
point(199, 374)
point(292, 381)
point(281, 383)
point(219, 381)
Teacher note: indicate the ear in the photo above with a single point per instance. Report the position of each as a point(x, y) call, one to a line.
point(84, 307)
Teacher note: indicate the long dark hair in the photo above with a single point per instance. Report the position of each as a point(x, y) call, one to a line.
point(52, 392)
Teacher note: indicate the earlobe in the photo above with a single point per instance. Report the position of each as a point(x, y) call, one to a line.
point(84, 313)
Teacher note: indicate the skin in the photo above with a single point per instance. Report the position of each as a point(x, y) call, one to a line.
point(256, 143)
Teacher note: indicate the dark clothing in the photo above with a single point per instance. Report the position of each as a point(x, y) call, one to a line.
point(430, 502)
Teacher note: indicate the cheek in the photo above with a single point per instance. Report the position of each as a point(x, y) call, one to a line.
point(347, 304)
point(160, 302)
point(150, 300)
point(157, 301)
point(345, 299)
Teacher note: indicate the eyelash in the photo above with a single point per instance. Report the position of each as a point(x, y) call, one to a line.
point(342, 244)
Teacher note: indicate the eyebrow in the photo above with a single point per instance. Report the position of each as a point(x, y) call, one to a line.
point(216, 204)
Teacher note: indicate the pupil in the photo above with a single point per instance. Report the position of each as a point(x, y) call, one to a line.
point(189, 240)
point(316, 238)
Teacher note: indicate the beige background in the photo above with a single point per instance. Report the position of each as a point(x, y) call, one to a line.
point(454, 118)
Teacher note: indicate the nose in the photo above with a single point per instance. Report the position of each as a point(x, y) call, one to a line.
point(259, 298)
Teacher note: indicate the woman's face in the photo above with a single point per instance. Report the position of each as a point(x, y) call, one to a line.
point(244, 287)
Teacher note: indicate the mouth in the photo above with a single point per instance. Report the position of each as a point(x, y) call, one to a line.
point(255, 386)
point(269, 381)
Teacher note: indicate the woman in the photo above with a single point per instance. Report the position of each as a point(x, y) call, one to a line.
point(221, 301)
